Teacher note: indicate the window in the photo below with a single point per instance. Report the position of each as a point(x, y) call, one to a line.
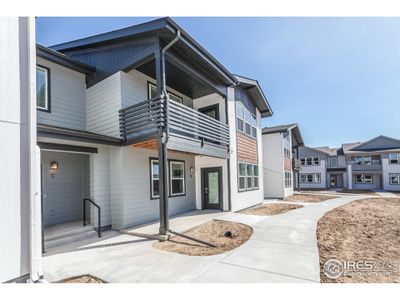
point(316, 161)
point(364, 178)
point(286, 152)
point(253, 126)
point(177, 175)
point(249, 174)
point(394, 158)
point(242, 176)
point(176, 178)
point(247, 120)
point(333, 161)
point(42, 88)
point(240, 117)
point(394, 178)
point(309, 161)
point(288, 179)
point(362, 160)
point(310, 178)
point(367, 160)
point(303, 161)
point(155, 178)
point(153, 93)
point(255, 172)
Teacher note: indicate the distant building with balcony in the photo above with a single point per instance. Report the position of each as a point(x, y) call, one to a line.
point(372, 165)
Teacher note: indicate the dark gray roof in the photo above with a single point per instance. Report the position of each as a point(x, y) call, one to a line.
point(294, 128)
point(64, 60)
point(253, 87)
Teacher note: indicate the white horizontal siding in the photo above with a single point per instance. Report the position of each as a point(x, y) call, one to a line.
point(67, 97)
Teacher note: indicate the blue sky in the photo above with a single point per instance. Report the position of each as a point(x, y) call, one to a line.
point(339, 78)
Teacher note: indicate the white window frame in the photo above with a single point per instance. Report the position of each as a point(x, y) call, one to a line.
point(152, 161)
point(363, 179)
point(251, 177)
point(46, 92)
point(255, 166)
point(310, 178)
point(240, 107)
point(394, 175)
point(397, 155)
point(171, 96)
point(171, 162)
point(333, 158)
point(303, 178)
point(315, 161)
point(288, 179)
point(242, 176)
point(303, 161)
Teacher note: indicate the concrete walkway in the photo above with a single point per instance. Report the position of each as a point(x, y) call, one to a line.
point(283, 248)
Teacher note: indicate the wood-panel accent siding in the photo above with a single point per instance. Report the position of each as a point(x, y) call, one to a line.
point(246, 148)
point(152, 145)
point(287, 164)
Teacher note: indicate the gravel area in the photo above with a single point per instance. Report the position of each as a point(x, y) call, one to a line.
point(270, 209)
point(211, 232)
point(308, 198)
point(365, 231)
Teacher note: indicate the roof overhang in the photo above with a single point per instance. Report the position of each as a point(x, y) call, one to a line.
point(63, 60)
point(253, 87)
point(297, 139)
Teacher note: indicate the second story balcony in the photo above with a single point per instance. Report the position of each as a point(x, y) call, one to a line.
point(187, 129)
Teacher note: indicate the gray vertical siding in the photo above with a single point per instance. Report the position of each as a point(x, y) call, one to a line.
point(67, 187)
point(67, 97)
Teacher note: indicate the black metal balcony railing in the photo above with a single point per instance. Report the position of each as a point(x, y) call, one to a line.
point(144, 119)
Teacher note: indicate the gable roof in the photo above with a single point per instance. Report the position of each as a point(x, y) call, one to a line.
point(379, 143)
point(253, 87)
point(294, 128)
point(164, 28)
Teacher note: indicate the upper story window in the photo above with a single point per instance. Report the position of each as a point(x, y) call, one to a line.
point(246, 121)
point(394, 158)
point(362, 160)
point(42, 88)
point(310, 161)
point(286, 152)
point(333, 161)
point(153, 93)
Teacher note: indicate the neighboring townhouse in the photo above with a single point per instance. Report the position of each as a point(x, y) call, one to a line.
point(374, 165)
point(145, 123)
point(280, 144)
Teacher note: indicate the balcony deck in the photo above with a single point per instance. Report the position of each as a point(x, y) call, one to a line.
point(188, 130)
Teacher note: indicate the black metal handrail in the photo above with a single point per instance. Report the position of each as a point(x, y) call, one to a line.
point(98, 215)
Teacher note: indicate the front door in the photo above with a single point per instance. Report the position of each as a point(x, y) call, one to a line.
point(211, 179)
point(333, 181)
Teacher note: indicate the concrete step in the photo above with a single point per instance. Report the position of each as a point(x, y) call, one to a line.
point(62, 232)
point(85, 233)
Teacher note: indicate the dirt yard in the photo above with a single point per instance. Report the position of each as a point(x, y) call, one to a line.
point(270, 209)
point(212, 232)
point(308, 198)
point(355, 191)
point(84, 279)
point(364, 230)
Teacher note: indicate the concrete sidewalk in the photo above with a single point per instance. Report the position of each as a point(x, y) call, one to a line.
point(283, 248)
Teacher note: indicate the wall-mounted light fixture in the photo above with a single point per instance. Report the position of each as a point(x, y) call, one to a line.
point(191, 169)
point(54, 165)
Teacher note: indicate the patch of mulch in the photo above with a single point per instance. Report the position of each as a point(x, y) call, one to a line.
point(270, 209)
point(84, 279)
point(308, 198)
point(212, 232)
point(356, 191)
point(363, 230)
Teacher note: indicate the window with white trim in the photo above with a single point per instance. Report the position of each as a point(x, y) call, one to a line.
point(333, 161)
point(255, 174)
point(42, 88)
point(247, 122)
point(364, 178)
point(288, 179)
point(242, 176)
point(316, 161)
point(394, 178)
point(249, 176)
point(177, 175)
point(240, 117)
point(309, 161)
point(310, 178)
point(155, 178)
point(303, 161)
point(394, 158)
point(153, 93)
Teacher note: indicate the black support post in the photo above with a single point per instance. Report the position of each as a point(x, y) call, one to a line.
point(162, 146)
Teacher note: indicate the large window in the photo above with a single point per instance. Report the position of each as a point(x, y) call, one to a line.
point(176, 178)
point(364, 178)
point(246, 121)
point(242, 176)
point(362, 160)
point(288, 179)
point(310, 161)
point(310, 178)
point(333, 161)
point(394, 158)
point(177, 175)
point(248, 176)
point(42, 88)
point(303, 161)
point(394, 178)
point(153, 93)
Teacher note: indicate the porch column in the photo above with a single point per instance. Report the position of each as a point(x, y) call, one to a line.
point(162, 146)
point(349, 177)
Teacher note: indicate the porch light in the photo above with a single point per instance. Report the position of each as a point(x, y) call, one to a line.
point(191, 169)
point(53, 165)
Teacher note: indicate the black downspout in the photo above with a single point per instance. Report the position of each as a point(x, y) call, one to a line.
point(229, 154)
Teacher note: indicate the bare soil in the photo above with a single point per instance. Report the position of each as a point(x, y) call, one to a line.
point(364, 230)
point(270, 209)
point(84, 279)
point(212, 232)
point(355, 191)
point(308, 198)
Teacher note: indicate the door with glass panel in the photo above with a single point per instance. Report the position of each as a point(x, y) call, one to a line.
point(211, 186)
